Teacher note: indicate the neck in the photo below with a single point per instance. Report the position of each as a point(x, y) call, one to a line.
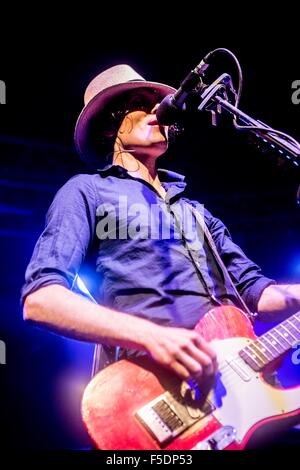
point(273, 344)
point(143, 168)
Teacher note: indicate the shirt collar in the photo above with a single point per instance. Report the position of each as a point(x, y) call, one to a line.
point(165, 176)
point(171, 181)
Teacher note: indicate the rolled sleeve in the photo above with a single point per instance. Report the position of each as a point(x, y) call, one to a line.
point(245, 274)
point(69, 230)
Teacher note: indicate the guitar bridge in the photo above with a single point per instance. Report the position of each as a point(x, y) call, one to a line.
point(168, 416)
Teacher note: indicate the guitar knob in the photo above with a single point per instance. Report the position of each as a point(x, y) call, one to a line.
point(213, 444)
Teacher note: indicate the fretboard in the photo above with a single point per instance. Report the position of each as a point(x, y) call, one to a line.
point(273, 344)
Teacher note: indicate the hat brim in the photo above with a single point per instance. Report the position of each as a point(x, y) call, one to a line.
point(82, 135)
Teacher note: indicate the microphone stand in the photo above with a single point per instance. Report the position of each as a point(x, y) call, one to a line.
point(215, 99)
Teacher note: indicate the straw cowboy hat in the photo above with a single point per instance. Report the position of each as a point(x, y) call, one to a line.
point(100, 93)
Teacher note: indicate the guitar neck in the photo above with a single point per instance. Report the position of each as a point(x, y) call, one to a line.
point(273, 344)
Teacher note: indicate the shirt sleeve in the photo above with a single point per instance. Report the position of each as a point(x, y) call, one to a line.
point(69, 230)
point(245, 274)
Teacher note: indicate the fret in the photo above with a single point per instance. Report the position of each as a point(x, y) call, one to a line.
point(295, 322)
point(294, 330)
point(254, 347)
point(279, 348)
point(248, 359)
point(268, 345)
point(272, 344)
point(252, 359)
point(265, 349)
point(286, 334)
point(276, 334)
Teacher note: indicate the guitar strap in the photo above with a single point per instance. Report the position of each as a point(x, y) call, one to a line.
point(103, 356)
point(270, 377)
point(200, 220)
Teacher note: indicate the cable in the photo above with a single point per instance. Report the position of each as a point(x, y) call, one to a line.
point(240, 73)
point(267, 130)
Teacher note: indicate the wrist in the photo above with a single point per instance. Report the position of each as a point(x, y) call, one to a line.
point(147, 334)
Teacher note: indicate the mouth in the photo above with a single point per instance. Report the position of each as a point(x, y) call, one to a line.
point(153, 122)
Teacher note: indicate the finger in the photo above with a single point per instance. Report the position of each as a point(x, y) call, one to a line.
point(180, 370)
point(205, 347)
point(193, 366)
point(161, 356)
point(206, 362)
point(216, 365)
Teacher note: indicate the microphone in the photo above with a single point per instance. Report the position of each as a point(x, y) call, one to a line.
point(171, 106)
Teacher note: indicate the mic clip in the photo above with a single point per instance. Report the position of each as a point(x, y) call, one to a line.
point(221, 86)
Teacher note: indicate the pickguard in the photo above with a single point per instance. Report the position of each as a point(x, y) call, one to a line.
point(241, 396)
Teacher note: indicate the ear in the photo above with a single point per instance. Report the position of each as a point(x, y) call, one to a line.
point(126, 125)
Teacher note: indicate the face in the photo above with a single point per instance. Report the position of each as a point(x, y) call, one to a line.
point(139, 131)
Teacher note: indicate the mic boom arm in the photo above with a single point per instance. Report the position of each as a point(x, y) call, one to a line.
point(215, 99)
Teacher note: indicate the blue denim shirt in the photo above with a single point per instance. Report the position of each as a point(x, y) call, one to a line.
point(149, 273)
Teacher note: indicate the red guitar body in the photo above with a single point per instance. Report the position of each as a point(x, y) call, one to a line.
point(139, 405)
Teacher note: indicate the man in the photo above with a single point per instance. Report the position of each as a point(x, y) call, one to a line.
point(155, 287)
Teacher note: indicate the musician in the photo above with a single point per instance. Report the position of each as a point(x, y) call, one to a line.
point(159, 273)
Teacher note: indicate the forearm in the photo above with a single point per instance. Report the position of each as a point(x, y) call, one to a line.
point(69, 314)
point(279, 301)
point(181, 350)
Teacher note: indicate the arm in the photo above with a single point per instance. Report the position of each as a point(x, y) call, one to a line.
point(49, 301)
point(183, 351)
point(278, 302)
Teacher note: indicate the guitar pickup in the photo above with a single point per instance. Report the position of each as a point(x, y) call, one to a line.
point(166, 417)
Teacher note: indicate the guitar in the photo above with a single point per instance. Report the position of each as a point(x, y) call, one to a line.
point(140, 405)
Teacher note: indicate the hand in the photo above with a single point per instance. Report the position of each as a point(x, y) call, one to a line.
point(183, 351)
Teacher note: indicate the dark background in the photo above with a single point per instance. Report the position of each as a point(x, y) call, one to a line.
point(47, 60)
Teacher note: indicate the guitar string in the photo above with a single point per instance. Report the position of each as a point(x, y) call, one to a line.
point(226, 368)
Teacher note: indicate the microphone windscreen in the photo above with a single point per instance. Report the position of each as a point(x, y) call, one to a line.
point(167, 113)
